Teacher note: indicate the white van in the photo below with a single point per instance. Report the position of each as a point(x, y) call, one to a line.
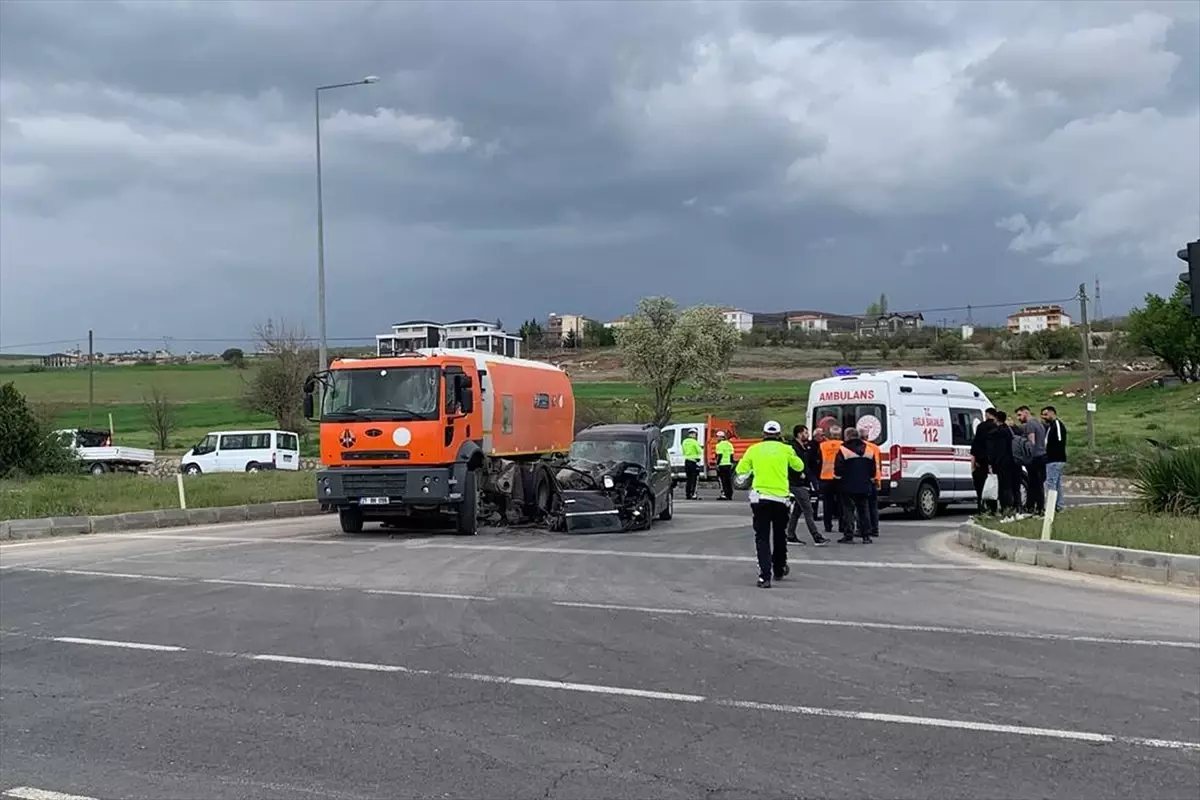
point(672, 445)
point(923, 426)
point(243, 451)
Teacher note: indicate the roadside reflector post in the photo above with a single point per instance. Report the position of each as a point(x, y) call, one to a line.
point(183, 497)
point(1048, 517)
point(1014, 380)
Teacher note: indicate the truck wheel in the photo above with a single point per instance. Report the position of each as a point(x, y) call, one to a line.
point(668, 509)
point(351, 520)
point(467, 521)
point(926, 506)
point(98, 468)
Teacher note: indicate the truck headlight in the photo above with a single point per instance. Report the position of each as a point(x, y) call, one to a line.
point(608, 482)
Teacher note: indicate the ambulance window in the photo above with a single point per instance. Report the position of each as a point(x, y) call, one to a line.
point(869, 418)
point(962, 425)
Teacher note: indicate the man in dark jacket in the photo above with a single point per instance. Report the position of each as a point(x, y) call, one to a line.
point(855, 471)
point(979, 458)
point(799, 484)
point(1056, 453)
point(1001, 464)
point(812, 462)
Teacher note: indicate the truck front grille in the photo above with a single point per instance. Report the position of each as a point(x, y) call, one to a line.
point(367, 485)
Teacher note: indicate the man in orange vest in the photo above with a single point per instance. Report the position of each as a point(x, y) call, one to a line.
point(873, 503)
point(830, 491)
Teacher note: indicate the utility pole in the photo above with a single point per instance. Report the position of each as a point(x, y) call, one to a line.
point(1087, 365)
point(91, 375)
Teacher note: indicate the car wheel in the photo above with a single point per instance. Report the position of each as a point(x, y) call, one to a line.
point(191, 469)
point(252, 467)
point(668, 509)
point(926, 507)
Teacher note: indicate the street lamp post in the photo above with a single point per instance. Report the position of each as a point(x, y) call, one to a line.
point(324, 348)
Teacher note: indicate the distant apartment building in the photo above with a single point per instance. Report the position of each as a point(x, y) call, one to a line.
point(818, 322)
point(887, 324)
point(62, 360)
point(1032, 319)
point(560, 327)
point(739, 320)
point(463, 334)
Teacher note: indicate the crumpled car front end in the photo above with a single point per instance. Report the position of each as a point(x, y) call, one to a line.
point(603, 498)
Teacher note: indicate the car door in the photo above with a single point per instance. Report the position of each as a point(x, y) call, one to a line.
point(230, 453)
point(204, 454)
point(660, 478)
point(963, 422)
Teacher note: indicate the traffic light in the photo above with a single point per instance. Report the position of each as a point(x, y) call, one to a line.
point(1191, 254)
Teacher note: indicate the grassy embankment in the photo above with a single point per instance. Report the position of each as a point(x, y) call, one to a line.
point(1115, 526)
point(80, 495)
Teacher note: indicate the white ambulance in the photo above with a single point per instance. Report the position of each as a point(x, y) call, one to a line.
point(923, 426)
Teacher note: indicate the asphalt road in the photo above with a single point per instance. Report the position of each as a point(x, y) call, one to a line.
point(284, 660)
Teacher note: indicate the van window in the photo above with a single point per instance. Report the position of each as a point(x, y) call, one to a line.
point(287, 441)
point(208, 445)
point(869, 418)
point(233, 441)
point(963, 422)
point(667, 440)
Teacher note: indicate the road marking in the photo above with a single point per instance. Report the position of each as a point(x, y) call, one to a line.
point(432, 595)
point(676, 697)
point(887, 626)
point(97, 574)
point(165, 648)
point(795, 563)
point(29, 793)
point(266, 584)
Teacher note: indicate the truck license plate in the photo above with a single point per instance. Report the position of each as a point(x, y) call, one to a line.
point(374, 501)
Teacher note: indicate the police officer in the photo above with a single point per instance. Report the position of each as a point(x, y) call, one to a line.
point(724, 449)
point(769, 461)
point(693, 456)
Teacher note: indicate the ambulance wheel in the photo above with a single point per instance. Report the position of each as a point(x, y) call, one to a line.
point(351, 520)
point(926, 506)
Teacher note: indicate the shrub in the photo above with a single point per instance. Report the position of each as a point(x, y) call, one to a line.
point(948, 348)
point(1168, 482)
point(26, 446)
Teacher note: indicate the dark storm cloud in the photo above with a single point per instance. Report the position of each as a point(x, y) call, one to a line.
point(520, 158)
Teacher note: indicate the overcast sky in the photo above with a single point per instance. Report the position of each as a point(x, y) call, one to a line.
point(157, 168)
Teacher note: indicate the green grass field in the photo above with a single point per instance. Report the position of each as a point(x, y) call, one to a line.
point(1115, 526)
point(208, 399)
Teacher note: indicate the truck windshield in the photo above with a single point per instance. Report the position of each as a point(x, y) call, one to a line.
point(603, 451)
point(869, 418)
point(390, 393)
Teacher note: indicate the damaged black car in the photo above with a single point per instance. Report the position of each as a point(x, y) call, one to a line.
point(615, 478)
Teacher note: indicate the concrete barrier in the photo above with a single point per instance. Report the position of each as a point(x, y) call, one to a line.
point(152, 520)
point(1093, 559)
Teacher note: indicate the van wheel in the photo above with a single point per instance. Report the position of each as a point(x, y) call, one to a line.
point(467, 521)
point(253, 467)
point(926, 506)
point(351, 520)
point(191, 469)
point(668, 509)
point(98, 468)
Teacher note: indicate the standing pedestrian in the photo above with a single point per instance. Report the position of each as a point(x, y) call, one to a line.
point(768, 462)
point(799, 483)
point(812, 467)
point(1033, 431)
point(724, 450)
point(979, 459)
point(1001, 464)
point(873, 501)
point(693, 457)
point(855, 468)
point(1056, 453)
point(830, 494)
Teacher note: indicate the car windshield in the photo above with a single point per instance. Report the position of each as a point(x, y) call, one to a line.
point(606, 450)
point(390, 393)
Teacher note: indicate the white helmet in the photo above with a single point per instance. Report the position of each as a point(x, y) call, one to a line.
point(772, 428)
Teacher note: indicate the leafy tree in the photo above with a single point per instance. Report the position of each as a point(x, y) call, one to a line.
point(948, 347)
point(235, 357)
point(570, 341)
point(596, 335)
point(161, 418)
point(532, 333)
point(27, 446)
point(664, 349)
point(849, 347)
point(877, 308)
point(277, 387)
point(1167, 329)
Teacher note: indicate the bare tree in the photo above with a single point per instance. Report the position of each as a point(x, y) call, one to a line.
point(160, 417)
point(277, 385)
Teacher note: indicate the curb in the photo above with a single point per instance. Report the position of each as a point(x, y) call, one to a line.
point(150, 520)
point(1097, 487)
point(1146, 566)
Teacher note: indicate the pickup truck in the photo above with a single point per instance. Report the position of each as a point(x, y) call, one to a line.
point(96, 453)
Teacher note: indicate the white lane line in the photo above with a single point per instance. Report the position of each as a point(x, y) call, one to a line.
point(887, 626)
point(30, 793)
point(97, 574)
point(165, 648)
point(746, 705)
point(431, 595)
point(266, 584)
point(794, 562)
